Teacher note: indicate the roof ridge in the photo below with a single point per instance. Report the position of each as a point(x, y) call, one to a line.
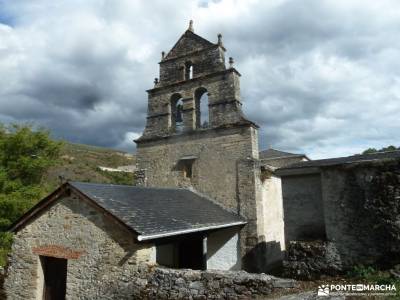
point(129, 186)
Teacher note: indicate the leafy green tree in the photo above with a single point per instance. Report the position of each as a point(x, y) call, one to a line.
point(25, 156)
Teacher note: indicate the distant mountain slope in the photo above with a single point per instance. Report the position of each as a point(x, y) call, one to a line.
point(80, 162)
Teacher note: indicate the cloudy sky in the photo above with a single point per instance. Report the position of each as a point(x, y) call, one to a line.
point(319, 77)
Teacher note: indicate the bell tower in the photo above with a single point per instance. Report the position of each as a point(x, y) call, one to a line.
point(196, 135)
point(195, 90)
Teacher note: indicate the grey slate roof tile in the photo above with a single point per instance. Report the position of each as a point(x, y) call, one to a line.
point(159, 211)
point(344, 160)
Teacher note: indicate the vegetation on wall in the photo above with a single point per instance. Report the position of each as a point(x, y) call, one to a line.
point(373, 150)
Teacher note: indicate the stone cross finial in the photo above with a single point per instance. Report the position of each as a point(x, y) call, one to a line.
point(231, 62)
point(219, 39)
point(191, 26)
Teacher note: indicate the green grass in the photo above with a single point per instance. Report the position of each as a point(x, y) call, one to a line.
point(79, 162)
point(372, 275)
point(119, 177)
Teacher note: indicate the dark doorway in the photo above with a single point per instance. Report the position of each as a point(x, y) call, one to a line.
point(190, 253)
point(55, 277)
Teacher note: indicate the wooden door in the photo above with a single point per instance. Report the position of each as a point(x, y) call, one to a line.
point(55, 278)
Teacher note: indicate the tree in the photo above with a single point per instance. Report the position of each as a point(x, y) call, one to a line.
point(25, 156)
point(373, 150)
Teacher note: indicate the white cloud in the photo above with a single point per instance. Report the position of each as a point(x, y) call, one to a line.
point(321, 77)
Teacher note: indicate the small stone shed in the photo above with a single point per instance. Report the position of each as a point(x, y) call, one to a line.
point(85, 236)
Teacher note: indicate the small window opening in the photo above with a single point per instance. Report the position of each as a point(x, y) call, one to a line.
point(185, 164)
point(188, 70)
point(188, 168)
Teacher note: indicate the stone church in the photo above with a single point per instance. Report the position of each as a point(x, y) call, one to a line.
point(213, 150)
point(206, 197)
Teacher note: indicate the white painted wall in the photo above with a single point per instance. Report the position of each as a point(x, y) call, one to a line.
point(223, 250)
point(272, 206)
point(153, 255)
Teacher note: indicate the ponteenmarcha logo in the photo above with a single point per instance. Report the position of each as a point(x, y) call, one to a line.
point(356, 289)
point(323, 290)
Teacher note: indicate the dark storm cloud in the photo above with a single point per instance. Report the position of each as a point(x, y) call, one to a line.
point(61, 93)
point(321, 77)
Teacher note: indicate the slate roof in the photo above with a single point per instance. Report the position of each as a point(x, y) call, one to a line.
point(155, 212)
point(344, 160)
point(273, 154)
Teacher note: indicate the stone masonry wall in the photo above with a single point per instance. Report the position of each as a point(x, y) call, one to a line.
point(303, 209)
point(214, 169)
point(99, 252)
point(310, 259)
point(204, 61)
point(223, 99)
point(282, 162)
point(362, 211)
point(162, 283)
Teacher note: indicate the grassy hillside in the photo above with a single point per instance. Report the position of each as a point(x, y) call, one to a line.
point(80, 162)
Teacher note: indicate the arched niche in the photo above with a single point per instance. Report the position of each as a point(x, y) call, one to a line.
point(177, 113)
point(202, 110)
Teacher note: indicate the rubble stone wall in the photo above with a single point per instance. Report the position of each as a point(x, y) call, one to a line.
point(161, 283)
point(99, 252)
point(308, 260)
point(362, 211)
